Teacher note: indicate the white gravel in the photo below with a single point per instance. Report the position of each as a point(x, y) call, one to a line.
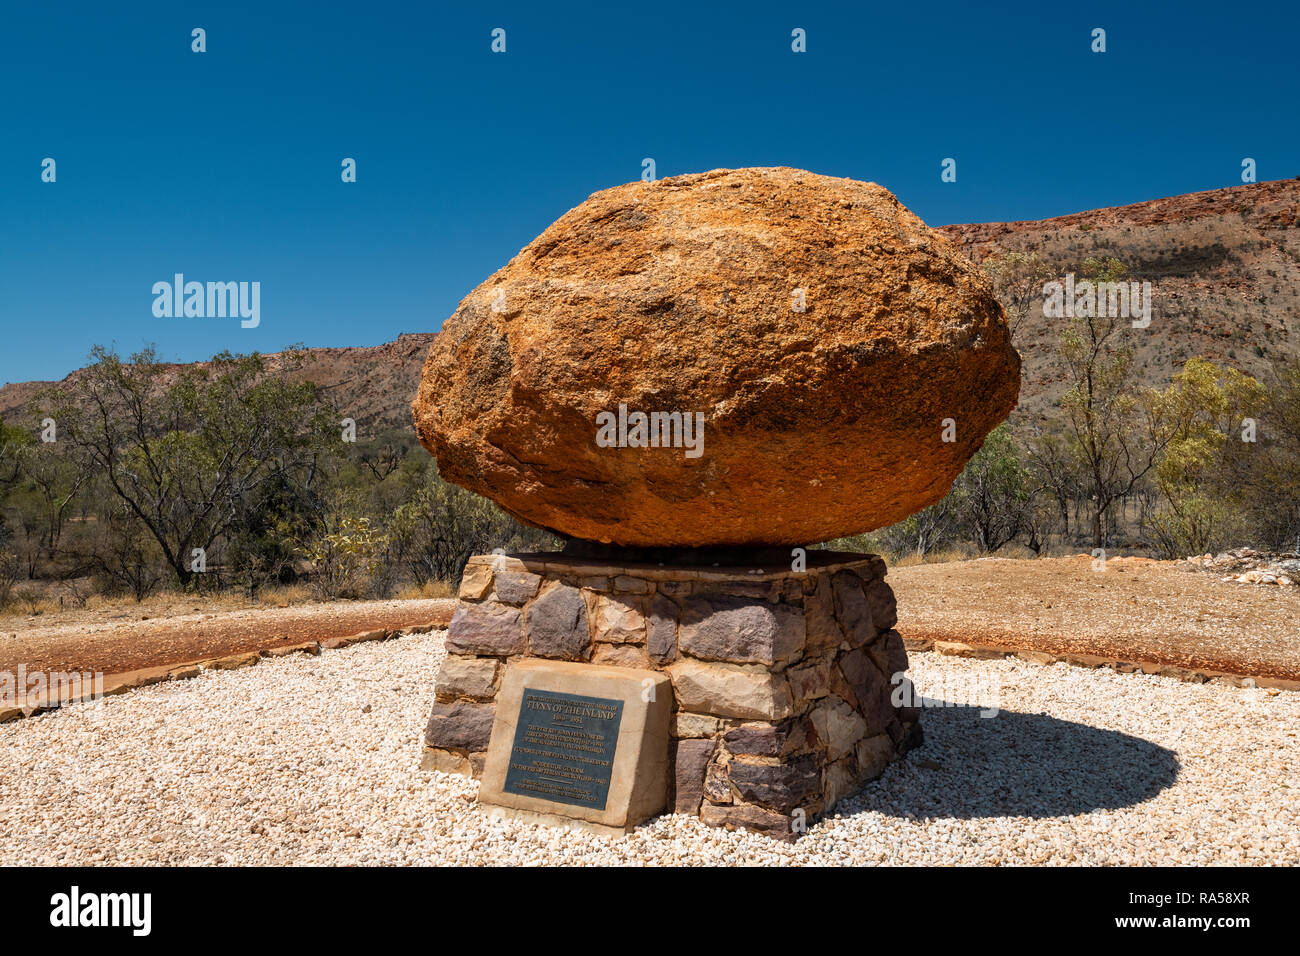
point(282, 764)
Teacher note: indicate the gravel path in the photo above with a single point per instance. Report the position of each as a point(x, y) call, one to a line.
point(306, 760)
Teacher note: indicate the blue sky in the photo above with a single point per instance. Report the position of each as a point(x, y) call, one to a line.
point(225, 165)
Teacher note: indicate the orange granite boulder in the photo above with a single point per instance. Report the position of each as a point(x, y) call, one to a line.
point(739, 357)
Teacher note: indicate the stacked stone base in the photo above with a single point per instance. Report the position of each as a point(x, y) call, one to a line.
point(783, 680)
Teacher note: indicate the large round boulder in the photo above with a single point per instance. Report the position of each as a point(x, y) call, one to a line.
point(845, 360)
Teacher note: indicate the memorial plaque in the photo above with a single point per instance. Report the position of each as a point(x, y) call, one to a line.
point(579, 744)
point(564, 748)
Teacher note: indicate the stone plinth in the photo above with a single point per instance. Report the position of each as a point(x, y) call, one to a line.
point(782, 680)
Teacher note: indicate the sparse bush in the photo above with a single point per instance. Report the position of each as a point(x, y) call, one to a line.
point(29, 598)
point(926, 531)
point(343, 556)
point(1197, 523)
point(123, 559)
point(436, 532)
point(10, 570)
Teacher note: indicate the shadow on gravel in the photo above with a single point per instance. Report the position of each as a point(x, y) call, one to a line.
point(1014, 764)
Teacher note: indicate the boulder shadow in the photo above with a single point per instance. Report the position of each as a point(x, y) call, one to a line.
point(1017, 764)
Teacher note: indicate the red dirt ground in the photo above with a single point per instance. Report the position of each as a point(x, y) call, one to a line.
point(112, 647)
point(1137, 609)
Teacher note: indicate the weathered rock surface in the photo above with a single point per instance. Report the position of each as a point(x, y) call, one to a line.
point(680, 296)
point(474, 677)
point(690, 760)
point(485, 629)
point(776, 786)
point(740, 631)
point(557, 623)
point(460, 726)
point(727, 690)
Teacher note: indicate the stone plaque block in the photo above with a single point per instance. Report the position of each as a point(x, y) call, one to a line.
point(579, 744)
point(780, 701)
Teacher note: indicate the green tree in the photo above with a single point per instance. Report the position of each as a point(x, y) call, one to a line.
point(185, 450)
point(996, 497)
point(1267, 473)
point(50, 481)
point(1018, 279)
point(1204, 407)
point(1115, 430)
point(1055, 471)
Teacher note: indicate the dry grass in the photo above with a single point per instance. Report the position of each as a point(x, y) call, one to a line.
point(912, 559)
point(285, 594)
point(430, 589)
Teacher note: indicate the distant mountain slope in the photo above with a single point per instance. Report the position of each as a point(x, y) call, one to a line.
point(1224, 267)
point(373, 385)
